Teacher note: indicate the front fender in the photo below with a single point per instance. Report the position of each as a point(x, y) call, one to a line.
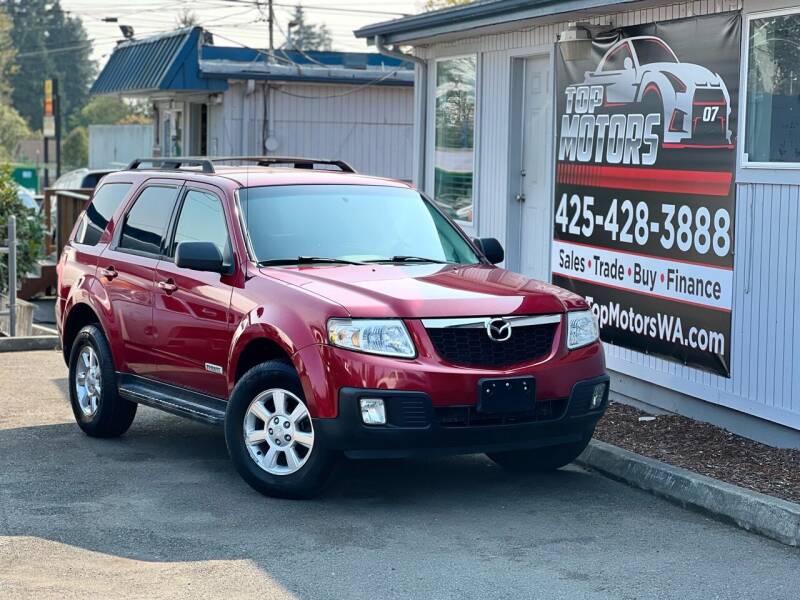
point(288, 327)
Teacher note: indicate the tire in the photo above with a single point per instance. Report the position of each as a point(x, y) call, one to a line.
point(283, 458)
point(540, 460)
point(97, 406)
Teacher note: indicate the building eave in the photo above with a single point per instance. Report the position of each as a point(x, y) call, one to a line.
point(455, 22)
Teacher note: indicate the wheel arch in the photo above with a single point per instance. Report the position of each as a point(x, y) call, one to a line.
point(79, 316)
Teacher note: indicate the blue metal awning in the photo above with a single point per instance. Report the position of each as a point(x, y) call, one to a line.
point(162, 62)
point(185, 60)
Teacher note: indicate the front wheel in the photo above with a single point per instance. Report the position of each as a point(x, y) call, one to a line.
point(540, 460)
point(270, 434)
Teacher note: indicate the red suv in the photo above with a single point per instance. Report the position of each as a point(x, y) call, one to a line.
point(315, 313)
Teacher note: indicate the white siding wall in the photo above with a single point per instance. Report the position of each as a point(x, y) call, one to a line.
point(766, 331)
point(371, 128)
point(117, 145)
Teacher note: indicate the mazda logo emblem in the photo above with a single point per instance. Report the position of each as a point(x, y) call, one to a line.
point(498, 329)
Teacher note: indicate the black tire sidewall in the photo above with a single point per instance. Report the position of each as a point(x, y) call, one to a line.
point(114, 414)
point(312, 476)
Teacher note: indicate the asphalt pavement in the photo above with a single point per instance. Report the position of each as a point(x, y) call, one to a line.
point(160, 513)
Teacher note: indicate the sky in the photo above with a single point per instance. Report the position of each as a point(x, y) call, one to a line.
point(234, 22)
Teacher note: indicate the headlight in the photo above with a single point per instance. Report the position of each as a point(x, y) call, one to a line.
point(582, 329)
point(388, 337)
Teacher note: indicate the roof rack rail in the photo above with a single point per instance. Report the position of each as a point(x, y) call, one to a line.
point(298, 162)
point(173, 163)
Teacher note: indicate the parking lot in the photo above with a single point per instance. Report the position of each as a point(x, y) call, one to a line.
point(160, 513)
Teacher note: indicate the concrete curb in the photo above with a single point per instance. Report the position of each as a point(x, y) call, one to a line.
point(24, 344)
point(772, 517)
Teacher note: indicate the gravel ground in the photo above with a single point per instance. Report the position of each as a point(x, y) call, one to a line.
point(705, 449)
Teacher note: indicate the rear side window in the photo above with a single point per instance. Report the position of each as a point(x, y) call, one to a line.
point(99, 213)
point(148, 219)
point(202, 220)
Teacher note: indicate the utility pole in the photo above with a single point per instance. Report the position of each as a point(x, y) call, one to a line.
point(271, 19)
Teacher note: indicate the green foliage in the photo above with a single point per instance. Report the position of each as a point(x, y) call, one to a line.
point(7, 54)
point(103, 110)
point(75, 150)
point(307, 36)
point(49, 44)
point(12, 129)
point(30, 232)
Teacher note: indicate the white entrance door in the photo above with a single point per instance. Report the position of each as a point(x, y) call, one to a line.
point(536, 200)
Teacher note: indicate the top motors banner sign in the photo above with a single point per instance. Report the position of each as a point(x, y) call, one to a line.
point(644, 194)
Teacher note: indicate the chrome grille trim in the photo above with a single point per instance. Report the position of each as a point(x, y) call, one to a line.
point(481, 322)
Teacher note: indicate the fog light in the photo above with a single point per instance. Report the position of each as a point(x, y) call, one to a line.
point(598, 393)
point(373, 412)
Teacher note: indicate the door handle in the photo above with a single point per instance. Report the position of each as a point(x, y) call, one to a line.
point(109, 273)
point(520, 197)
point(168, 286)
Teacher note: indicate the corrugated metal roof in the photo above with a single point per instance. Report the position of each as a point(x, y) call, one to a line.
point(180, 60)
point(162, 62)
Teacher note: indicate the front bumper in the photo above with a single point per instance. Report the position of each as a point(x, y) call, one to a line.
point(417, 427)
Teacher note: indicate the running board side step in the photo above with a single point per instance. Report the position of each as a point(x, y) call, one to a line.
point(172, 399)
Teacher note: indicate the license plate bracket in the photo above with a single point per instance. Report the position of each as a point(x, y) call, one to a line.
point(506, 395)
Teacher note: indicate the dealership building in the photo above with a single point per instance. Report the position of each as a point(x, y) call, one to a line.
point(645, 155)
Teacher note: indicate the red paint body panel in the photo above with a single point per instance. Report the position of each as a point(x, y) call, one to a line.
point(211, 318)
point(324, 370)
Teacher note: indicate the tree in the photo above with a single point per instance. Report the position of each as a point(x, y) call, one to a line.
point(103, 110)
point(48, 44)
point(30, 231)
point(429, 5)
point(75, 151)
point(7, 55)
point(13, 129)
point(186, 18)
point(307, 36)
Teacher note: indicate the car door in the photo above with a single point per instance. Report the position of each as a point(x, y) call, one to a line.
point(127, 269)
point(192, 323)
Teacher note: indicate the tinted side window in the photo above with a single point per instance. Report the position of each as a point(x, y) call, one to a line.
point(616, 60)
point(147, 220)
point(202, 220)
point(99, 212)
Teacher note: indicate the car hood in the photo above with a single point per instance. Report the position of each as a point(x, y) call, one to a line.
point(429, 290)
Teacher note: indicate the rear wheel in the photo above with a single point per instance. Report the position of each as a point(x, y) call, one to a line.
point(270, 434)
point(540, 460)
point(97, 406)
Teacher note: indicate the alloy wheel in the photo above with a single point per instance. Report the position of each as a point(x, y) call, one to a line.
point(278, 432)
point(88, 380)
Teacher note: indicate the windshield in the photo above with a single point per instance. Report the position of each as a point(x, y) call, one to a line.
point(350, 222)
point(653, 51)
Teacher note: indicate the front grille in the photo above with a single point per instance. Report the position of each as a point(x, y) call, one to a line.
point(709, 112)
point(709, 96)
point(468, 416)
point(473, 346)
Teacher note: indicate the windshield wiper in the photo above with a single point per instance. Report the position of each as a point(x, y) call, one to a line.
point(307, 260)
point(403, 259)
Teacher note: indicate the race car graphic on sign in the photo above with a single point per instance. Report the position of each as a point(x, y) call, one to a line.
point(644, 195)
point(693, 101)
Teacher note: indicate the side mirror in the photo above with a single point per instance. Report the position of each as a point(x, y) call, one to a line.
point(627, 63)
point(491, 249)
point(199, 256)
